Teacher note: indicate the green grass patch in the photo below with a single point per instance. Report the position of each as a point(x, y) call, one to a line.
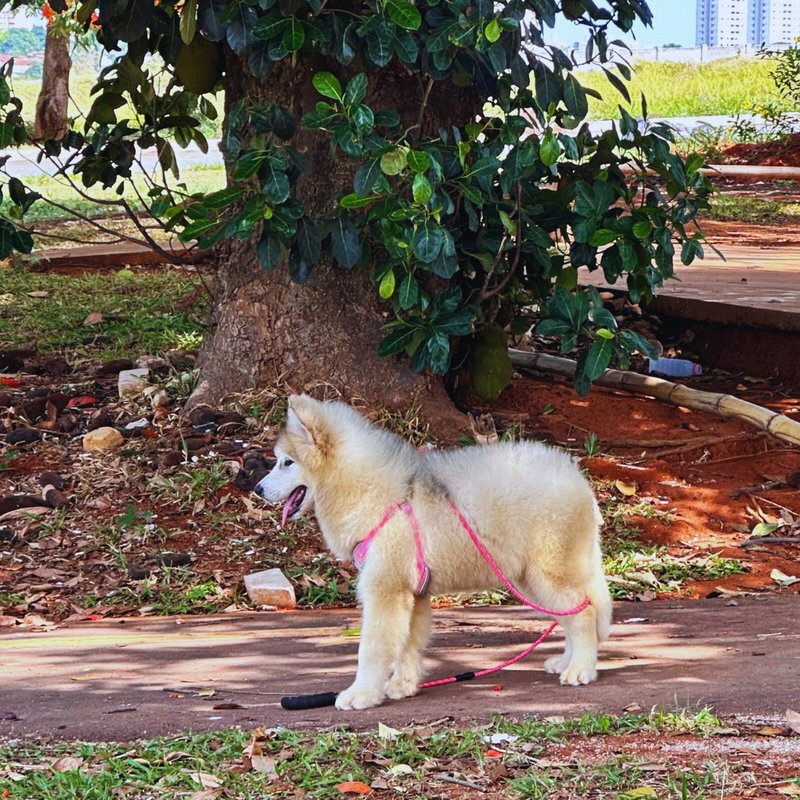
point(200, 178)
point(730, 208)
point(137, 315)
point(675, 89)
point(293, 762)
point(633, 569)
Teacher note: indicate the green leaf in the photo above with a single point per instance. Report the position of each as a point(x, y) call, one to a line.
point(764, 529)
point(599, 357)
point(386, 289)
point(221, 199)
point(693, 163)
point(605, 333)
point(327, 85)
point(602, 237)
point(397, 340)
point(345, 245)
point(428, 241)
point(408, 292)
point(196, 229)
point(438, 348)
point(492, 31)
point(404, 14)
point(356, 201)
point(418, 161)
point(549, 149)
point(308, 240)
point(294, 36)
point(394, 162)
point(575, 98)
point(641, 230)
point(269, 249)
point(275, 181)
point(366, 176)
point(422, 189)
point(188, 20)
point(283, 122)
point(356, 89)
point(553, 327)
point(248, 164)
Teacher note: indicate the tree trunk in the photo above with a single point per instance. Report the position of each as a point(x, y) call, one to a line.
point(264, 326)
point(52, 107)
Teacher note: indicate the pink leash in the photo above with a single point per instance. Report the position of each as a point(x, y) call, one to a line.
point(359, 556)
point(466, 676)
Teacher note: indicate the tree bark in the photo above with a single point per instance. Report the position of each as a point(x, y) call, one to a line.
point(52, 107)
point(265, 327)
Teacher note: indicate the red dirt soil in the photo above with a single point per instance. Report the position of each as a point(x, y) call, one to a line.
point(777, 153)
point(685, 462)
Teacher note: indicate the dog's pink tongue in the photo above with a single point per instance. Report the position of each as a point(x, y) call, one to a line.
point(287, 509)
point(292, 504)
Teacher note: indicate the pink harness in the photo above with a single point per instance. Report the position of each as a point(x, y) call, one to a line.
point(360, 551)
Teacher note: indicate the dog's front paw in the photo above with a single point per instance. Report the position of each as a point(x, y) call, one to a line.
point(576, 676)
point(356, 698)
point(400, 687)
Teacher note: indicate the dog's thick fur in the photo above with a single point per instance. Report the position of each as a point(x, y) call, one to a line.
point(530, 504)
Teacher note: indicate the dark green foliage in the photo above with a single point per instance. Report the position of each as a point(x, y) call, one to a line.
point(457, 230)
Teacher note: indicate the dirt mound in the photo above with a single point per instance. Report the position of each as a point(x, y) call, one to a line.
point(781, 153)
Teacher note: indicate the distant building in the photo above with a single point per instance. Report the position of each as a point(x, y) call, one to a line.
point(6, 19)
point(722, 23)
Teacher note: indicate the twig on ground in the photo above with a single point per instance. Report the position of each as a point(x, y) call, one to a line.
point(771, 540)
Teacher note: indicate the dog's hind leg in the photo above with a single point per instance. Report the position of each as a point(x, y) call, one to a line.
point(579, 663)
point(385, 629)
point(408, 671)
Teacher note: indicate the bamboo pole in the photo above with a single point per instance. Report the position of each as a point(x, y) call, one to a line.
point(733, 171)
point(722, 405)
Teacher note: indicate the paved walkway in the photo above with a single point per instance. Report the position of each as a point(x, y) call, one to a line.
point(757, 286)
point(117, 680)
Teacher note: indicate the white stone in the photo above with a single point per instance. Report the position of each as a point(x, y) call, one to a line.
point(132, 381)
point(270, 588)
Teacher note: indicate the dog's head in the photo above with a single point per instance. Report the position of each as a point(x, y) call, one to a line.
point(300, 451)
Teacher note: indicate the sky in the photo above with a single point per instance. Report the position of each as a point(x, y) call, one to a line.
point(673, 23)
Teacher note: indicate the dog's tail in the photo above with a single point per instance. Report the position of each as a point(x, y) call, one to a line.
point(598, 589)
point(598, 593)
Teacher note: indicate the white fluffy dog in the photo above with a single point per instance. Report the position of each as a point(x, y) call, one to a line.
point(530, 505)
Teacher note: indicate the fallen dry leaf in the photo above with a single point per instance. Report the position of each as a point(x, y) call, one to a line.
point(628, 489)
point(205, 780)
point(38, 295)
point(769, 730)
point(354, 787)
point(385, 732)
point(205, 794)
point(401, 769)
point(782, 578)
point(66, 763)
point(788, 788)
point(792, 717)
point(93, 318)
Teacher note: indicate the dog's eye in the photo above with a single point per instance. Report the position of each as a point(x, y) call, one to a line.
point(288, 462)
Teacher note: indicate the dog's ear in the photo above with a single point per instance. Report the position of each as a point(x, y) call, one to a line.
point(306, 426)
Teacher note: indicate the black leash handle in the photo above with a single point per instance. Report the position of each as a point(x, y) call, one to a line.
point(305, 701)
